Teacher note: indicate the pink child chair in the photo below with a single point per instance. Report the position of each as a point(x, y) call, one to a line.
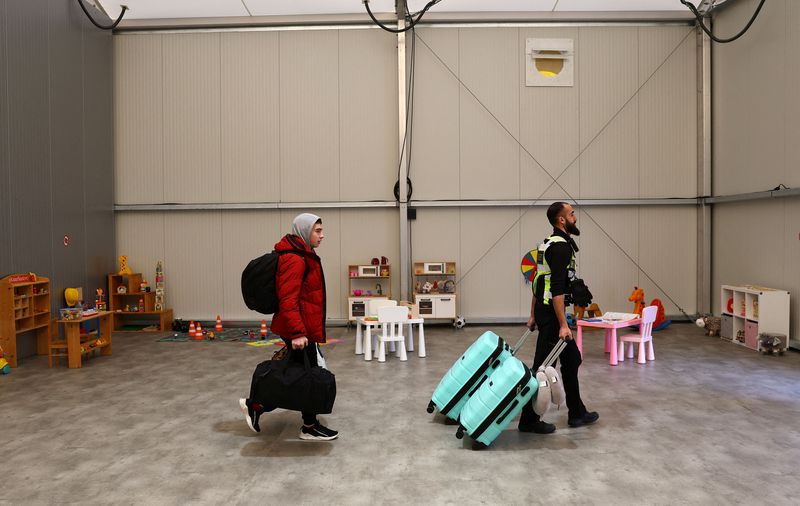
point(644, 337)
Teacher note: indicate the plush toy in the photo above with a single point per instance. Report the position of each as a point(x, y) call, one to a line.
point(771, 344)
point(711, 324)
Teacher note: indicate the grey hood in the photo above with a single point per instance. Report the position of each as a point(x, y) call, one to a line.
point(302, 226)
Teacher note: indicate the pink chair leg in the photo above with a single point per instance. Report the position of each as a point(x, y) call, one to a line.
point(630, 350)
point(651, 355)
point(579, 340)
point(621, 351)
point(641, 359)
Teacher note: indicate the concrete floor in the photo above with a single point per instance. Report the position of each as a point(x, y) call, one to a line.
point(157, 423)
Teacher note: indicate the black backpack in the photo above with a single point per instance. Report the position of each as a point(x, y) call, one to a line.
point(581, 296)
point(258, 283)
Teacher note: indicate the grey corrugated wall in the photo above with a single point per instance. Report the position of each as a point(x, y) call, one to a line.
point(756, 130)
point(56, 141)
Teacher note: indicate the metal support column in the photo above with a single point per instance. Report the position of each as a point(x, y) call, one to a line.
point(704, 172)
point(405, 239)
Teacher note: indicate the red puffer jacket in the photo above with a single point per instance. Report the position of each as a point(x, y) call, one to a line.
point(300, 284)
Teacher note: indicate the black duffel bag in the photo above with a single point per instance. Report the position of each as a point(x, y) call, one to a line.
point(293, 385)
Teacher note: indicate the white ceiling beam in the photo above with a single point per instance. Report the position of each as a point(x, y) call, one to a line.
point(189, 9)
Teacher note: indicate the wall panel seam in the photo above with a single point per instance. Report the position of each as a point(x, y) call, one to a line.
point(8, 133)
point(339, 106)
point(50, 146)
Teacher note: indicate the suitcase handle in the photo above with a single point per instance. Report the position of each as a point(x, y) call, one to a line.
point(554, 353)
point(521, 341)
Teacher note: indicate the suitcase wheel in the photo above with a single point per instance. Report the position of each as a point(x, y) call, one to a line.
point(477, 445)
point(430, 407)
point(460, 432)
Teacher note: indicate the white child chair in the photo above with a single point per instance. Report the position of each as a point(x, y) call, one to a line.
point(392, 319)
point(644, 337)
point(372, 310)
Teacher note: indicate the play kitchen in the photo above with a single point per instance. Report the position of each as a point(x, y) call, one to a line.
point(367, 281)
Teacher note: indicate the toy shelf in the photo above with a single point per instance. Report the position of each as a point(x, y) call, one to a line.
point(123, 320)
point(24, 307)
point(749, 310)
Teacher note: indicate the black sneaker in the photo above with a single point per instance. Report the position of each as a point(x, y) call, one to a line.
point(588, 418)
point(318, 432)
point(250, 414)
point(540, 427)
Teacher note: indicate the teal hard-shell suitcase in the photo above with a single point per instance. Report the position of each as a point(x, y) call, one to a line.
point(500, 399)
point(480, 360)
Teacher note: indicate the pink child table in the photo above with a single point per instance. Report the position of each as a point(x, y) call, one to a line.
point(611, 334)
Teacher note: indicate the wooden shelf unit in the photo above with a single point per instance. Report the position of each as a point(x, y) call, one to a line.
point(117, 302)
point(24, 307)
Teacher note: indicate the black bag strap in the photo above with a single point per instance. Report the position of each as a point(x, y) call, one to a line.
point(306, 362)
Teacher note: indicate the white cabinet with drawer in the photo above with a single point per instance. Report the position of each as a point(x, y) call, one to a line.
point(436, 306)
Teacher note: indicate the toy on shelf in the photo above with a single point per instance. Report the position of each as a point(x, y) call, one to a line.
point(160, 304)
point(637, 297)
point(124, 270)
point(100, 301)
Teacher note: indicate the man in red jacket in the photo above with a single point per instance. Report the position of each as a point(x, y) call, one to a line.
point(300, 320)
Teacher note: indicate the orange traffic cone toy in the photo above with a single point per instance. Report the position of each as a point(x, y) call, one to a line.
point(218, 326)
point(263, 329)
point(198, 332)
point(191, 328)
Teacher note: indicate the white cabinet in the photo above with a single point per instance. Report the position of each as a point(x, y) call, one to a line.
point(436, 306)
point(749, 310)
point(434, 289)
point(358, 306)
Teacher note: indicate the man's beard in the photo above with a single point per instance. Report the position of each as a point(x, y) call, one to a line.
point(572, 229)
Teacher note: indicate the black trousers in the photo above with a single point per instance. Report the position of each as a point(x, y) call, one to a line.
point(570, 360)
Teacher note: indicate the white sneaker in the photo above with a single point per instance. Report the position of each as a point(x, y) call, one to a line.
point(250, 415)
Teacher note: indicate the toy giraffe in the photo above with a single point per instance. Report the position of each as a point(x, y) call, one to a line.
point(124, 270)
point(637, 297)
